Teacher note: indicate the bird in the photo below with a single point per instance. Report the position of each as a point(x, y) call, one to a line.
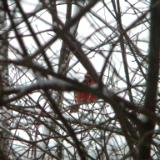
point(84, 97)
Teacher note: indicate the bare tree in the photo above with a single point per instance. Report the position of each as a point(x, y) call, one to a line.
point(53, 47)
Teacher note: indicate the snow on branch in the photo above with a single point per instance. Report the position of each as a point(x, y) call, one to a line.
point(55, 84)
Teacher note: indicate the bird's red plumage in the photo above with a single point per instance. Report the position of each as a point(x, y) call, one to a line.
point(83, 97)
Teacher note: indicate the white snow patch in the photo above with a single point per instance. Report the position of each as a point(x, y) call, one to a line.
point(107, 92)
point(94, 86)
point(143, 118)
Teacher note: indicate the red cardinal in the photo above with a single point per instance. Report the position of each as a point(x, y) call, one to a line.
point(83, 97)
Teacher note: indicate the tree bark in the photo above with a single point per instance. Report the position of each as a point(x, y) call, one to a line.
point(65, 56)
point(4, 142)
point(147, 129)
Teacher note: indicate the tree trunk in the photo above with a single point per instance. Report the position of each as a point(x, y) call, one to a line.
point(65, 56)
point(147, 129)
point(4, 115)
